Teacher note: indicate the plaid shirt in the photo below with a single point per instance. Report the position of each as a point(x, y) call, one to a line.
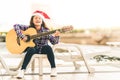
point(43, 40)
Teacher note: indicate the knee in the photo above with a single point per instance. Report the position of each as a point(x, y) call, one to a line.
point(30, 50)
point(47, 49)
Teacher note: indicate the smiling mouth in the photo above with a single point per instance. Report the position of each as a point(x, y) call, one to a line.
point(37, 22)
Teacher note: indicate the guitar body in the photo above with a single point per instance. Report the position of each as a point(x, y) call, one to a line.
point(13, 46)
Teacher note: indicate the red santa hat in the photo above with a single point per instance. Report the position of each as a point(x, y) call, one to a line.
point(42, 14)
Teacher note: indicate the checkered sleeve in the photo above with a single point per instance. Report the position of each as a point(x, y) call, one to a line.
point(18, 28)
point(54, 40)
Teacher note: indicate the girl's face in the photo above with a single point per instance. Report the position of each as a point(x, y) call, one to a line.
point(37, 20)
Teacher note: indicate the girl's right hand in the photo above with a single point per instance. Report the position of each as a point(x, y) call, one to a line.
point(25, 39)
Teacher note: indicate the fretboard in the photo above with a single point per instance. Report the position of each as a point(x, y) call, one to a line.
point(44, 34)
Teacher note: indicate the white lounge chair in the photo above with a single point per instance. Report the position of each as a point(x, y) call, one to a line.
point(71, 53)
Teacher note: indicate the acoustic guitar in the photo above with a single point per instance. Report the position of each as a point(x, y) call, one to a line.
point(17, 46)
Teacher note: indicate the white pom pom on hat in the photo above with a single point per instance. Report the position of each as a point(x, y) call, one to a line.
point(42, 14)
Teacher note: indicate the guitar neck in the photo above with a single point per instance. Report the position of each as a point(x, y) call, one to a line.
point(44, 34)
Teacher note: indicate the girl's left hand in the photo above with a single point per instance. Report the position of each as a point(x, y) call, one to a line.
point(57, 33)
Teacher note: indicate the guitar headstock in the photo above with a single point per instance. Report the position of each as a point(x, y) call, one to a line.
point(67, 28)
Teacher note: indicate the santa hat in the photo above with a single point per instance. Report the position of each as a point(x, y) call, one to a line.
point(42, 14)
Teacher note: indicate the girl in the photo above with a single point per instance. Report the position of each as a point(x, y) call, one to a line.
point(37, 22)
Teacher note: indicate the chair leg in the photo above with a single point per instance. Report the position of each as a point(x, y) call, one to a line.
point(33, 66)
point(7, 68)
point(76, 65)
point(40, 63)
